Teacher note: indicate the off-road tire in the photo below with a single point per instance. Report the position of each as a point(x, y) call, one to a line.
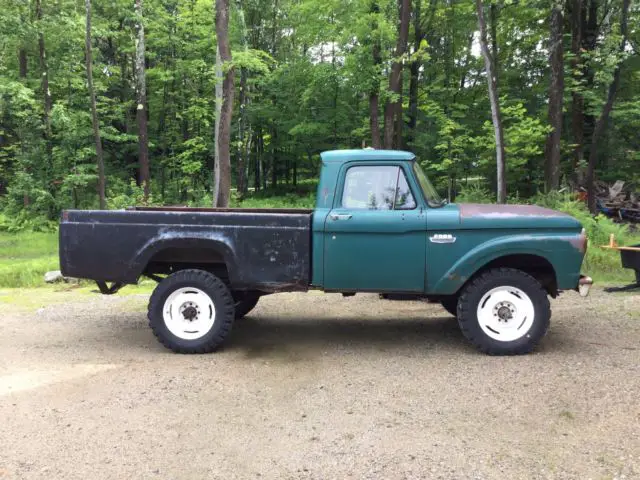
point(219, 295)
point(471, 296)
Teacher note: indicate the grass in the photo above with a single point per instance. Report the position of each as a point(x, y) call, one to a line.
point(26, 256)
point(30, 299)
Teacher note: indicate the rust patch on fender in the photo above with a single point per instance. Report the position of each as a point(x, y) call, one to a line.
point(468, 210)
point(455, 277)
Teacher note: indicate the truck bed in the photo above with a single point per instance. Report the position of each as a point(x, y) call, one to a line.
point(255, 249)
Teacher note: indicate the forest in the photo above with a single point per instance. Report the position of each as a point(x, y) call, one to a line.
point(211, 102)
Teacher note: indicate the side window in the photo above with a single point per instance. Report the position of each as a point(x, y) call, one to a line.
point(376, 188)
point(404, 197)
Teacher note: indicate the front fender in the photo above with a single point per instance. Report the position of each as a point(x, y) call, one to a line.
point(216, 241)
point(560, 250)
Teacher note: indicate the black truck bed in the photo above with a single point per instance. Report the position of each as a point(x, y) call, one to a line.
point(265, 250)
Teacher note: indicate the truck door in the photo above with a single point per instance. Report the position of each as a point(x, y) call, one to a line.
point(375, 235)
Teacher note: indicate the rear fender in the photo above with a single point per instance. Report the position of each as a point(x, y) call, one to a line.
point(215, 241)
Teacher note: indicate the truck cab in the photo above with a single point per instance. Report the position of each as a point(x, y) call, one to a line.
point(381, 226)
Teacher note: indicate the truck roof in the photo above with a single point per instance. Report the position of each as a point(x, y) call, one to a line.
point(365, 154)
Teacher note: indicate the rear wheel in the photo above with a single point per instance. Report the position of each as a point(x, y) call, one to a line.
point(504, 312)
point(191, 311)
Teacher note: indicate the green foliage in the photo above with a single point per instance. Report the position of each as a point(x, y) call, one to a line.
point(524, 145)
point(475, 193)
point(122, 195)
point(284, 201)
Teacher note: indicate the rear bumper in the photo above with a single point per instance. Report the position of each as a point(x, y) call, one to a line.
point(584, 285)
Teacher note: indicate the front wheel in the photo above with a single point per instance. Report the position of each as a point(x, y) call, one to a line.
point(504, 312)
point(191, 311)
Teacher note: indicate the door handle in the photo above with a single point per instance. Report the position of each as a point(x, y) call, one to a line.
point(340, 216)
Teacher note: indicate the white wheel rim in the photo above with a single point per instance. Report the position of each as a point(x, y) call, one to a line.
point(506, 313)
point(189, 313)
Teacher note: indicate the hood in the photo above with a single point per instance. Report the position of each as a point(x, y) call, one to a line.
point(475, 215)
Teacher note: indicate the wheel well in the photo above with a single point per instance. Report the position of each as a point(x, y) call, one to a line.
point(538, 267)
point(173, 259)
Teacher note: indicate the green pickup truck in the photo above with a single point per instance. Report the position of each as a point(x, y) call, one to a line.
point(379, 226)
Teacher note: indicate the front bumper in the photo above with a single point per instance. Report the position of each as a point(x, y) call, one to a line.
point(584, 285)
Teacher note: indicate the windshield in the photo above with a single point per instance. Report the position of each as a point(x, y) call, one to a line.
point(430, 193)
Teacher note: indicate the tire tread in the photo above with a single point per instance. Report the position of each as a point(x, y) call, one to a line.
point(224, 313)
point(466, 315)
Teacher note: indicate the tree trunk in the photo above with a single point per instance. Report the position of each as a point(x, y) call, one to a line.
point(274, 156)
point(493, 13)
point(393, 107)
point(336, 86)
point(606, 111)
point(242, 135)
point(577, 101)
point(223, 143)
point(413, 102)
point(590, 31)
point(556, 96)
point(295, 172)
point(373, 120)
point(244, 131)
point(419, 28)
point(94, 112)
point(22, 69)
point(44, 68)
point(414, 68)
point(258, 165)
point(501, 185)
point(374, 93)
point(216, 127)
point(141, 102)
point(22, 61)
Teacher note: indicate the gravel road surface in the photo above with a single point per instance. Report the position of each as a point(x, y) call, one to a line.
point(316, 386)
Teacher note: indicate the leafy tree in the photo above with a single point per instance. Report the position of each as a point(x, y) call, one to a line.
point(490, 65)
point(310, 76)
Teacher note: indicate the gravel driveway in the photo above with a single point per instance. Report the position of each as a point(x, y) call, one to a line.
point(316, 386)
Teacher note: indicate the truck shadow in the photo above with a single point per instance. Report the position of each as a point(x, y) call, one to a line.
point(267, 337)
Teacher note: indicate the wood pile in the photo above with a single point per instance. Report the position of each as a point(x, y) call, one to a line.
point(619, 202)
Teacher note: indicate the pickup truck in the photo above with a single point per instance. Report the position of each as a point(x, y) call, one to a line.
point(379, 226)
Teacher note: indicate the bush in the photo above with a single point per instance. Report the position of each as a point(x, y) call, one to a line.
point(26, 221)
point(122, 195)
point(284, 201)
point(475, 193)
